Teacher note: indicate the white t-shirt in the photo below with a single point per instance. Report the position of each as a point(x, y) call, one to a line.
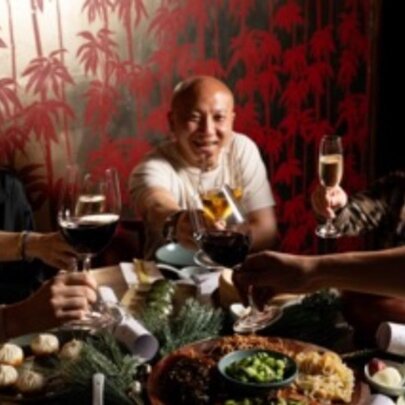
point(165, 168)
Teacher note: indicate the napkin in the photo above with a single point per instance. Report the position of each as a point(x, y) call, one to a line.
point(138, 340)
point(128, 331)
point(391, 337)
point(207, 284)
point(107, 295)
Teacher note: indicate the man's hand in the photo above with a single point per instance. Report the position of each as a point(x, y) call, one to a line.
point(66, 297)
point(272, 273)
point(326, 200)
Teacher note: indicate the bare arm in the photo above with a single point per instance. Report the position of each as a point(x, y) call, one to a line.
point(156, 204)
point(50, 248)
point(263, 227)
point(380, 272)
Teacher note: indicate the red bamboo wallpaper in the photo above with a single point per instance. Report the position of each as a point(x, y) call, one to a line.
point(89, 81)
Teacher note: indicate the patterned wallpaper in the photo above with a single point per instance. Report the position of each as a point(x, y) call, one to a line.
point(90, 80)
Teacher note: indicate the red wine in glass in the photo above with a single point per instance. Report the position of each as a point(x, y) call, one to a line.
point(227, 248)
point(88, 215)
point(89, 234)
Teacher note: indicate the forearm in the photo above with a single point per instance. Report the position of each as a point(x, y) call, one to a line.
point(16, 321)
point(10, 246)
point(380, 272)
point(155, 206)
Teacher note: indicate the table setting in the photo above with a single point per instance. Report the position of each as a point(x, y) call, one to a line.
point(162, 321)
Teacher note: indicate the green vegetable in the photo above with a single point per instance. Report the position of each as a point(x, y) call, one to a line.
point(159, 300)
point(260, 367)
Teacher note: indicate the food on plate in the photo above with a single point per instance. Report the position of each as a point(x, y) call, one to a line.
point(324, 376)
point(8, 375)
point(71, 350)
point(45, 344)
point(264, 401)
point(375, 365)
point(259, 367)
point(30, 381)
point(388, 376)
point(11, 354)
point(190, 379)
point(190, 374)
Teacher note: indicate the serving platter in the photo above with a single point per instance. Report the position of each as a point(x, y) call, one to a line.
point(208, 352)
point(53, 390)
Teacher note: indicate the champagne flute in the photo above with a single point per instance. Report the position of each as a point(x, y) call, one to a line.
point(227, 243)
point(330, 168)
point(88, 214)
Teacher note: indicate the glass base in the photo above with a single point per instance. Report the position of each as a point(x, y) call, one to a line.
point(257, 320)
point(327, 231)
point(94, 320)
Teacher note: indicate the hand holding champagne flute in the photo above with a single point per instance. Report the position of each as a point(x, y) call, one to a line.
point(330, 169)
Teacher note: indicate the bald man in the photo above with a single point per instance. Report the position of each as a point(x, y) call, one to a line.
point(203, 150)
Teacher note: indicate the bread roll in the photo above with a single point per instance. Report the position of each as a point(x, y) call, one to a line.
point(71, 350)
point(30, 381)
point(45, 344)
point(11, 354)
point(8, 375)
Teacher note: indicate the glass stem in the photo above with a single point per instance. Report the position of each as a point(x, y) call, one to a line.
point(251, 301)
point(87, 263)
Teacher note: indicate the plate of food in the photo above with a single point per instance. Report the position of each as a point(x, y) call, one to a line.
point(190, 374)
point(28, 365)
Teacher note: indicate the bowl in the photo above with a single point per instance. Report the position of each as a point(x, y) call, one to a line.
point(175, 254)
point(289, 375)
point(194, 271)
point(392, 391)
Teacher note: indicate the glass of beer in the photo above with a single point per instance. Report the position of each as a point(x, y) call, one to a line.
point(330, 168)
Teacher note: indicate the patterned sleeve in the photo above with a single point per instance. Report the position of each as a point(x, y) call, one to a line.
point(369, 209)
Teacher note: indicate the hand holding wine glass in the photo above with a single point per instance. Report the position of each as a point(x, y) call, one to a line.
point(227, 242)
point(88, 215)
point(330, 167)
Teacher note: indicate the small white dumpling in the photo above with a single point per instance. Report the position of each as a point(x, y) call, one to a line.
point(8, 375)
point(71, 350)
point(45, 344)
point(11, 354)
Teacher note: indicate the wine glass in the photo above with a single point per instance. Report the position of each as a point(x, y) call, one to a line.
point(227, 242)
point(330, 168)
point(88, 214)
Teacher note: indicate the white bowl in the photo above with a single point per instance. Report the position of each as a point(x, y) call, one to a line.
point(385, 389)
point(194, 271)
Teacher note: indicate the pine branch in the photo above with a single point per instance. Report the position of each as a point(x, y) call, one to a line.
point(194, 322)
point(100, 354)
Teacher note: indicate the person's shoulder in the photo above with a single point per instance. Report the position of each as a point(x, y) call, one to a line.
point(161, 153)
point(242, 141)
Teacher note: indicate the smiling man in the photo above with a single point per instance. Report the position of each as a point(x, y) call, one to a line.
point(204, 151)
